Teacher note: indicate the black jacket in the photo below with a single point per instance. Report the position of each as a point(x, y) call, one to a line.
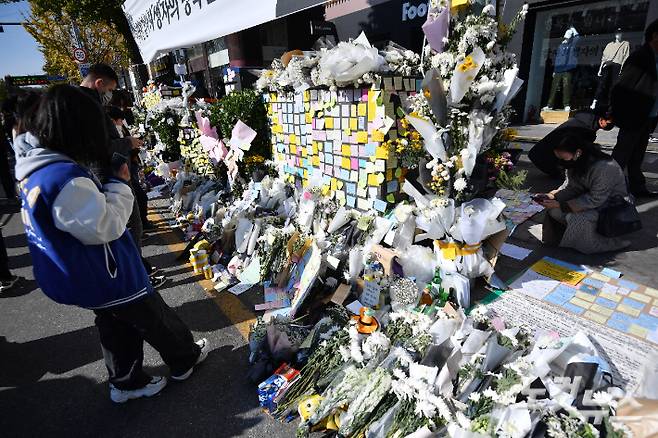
point(635, 94)
point(583, 124)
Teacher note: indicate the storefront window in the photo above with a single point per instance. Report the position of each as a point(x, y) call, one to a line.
point(578, 50)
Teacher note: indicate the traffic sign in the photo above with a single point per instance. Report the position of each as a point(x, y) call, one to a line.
point(79, 54)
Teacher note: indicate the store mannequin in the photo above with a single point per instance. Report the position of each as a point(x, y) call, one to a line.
point(614, 56)
point(564, 65)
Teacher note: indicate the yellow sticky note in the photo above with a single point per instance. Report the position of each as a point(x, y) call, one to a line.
point(304, 152)
point(557, 272)
point(377, 135)
point(362, 109)
point(362, 137)
point(339, 185)
point(304, 183)
point(354, 125)
point(640, 297)
point(651, 291)
point(325, 190)
point(334, 187)
point(293, 149)
point(372, 104)
point(293, 139)
point(600, 277)
point(329, 123)
point(637, 330)
point(600, 309)
point(586, 297)
point(309, 117)
point(307, 96)
point(352, 110)
point(373, 180)
point(314, 148)
point(275, 120)
point(628, 310)
point(346, 150)
point(381, 152)
point(277, 129)
point(595, 317)
point(315, 160)
point(612, 297)
point(580, 303)
point(305, 174)
point(345, 163)
point(389, 174)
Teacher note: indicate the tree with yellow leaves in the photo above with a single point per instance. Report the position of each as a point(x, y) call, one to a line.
point(57, 33)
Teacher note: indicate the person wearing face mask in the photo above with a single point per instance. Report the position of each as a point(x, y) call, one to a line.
point(592, 177)
point(99, 83)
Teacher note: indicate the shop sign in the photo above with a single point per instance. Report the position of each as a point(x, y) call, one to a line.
point(412, 11)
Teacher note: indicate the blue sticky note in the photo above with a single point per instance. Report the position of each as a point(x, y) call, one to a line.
point(627, 284)
point(392, 186)
point(634, 304)
point(564, 292)
point(344, 174)
point(618, 324)
point(594, 283)
point(588, 289)
point(379, 205)
point(351, 188)
point(350, 201)
point(328, 158)
point(619, 316)
point(326, 179)
point(573, 308)
point(606, 303)
point(370, 149)
point(328, 146)
point(611, 273)
point(363, 163)
point(647, 321)
point(555, 298)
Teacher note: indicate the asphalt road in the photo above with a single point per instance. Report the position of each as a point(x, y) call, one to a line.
point(53, 378)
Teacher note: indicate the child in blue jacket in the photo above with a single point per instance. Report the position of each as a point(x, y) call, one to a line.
point(82, 254)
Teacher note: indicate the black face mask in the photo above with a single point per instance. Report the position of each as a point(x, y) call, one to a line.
point(568, 164)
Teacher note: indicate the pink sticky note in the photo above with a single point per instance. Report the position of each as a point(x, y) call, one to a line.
point(362, 150)
point(364, 95)
point(328, 169)
point(355, 163)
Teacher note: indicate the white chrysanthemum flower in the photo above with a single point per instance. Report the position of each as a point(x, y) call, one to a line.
point(460, 185)
point(489, 10)
point(475, 397)
point(604, 399)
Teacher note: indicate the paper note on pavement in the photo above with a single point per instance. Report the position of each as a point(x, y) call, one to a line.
point(515, 252)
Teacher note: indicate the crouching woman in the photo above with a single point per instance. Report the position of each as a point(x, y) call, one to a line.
point(592, 177)
point(81, 252)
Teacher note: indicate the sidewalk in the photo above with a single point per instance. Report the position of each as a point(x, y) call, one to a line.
point(534, 133)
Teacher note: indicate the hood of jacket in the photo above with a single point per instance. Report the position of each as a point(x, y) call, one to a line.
point(30, 156)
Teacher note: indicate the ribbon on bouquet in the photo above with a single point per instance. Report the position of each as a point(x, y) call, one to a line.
point(450, 250)
point(209, 139)
point(241, 138)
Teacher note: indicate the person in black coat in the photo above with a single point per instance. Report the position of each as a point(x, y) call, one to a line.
point(634, 105)
point(584, 125)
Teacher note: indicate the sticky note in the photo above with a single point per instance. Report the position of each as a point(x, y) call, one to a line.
point(345, 163)
point(346, 150)
point(373, 180)
point(640, 297)
point(627, 284)
point(350, 201)
point(595, 317)
point(600, 309)
point(651, 292)
point(390, 198)
point(354, 125)
point(381, 152)
point(611, 273)
point(362, 137)
point(329, 123)
point(580, 303)
point(637, 330)
point(379, 205)
point(354, 163)
point(362, 109)
point(628, 310)
point(378, 136)
point(586, 297)
point(608, 296)
point(606, 303)
point(573, 309)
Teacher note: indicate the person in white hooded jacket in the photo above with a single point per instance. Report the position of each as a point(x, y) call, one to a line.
point(82, 254)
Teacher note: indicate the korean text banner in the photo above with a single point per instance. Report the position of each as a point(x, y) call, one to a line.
point(163, 25)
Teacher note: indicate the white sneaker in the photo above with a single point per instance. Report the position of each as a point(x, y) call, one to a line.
point(152, 388)
point(567, 108)
point(205, 347)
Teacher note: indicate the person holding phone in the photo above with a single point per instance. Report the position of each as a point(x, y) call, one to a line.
point(592, 177)
point(81, 252)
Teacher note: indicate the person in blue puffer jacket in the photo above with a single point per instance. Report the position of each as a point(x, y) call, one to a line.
point(81, 252)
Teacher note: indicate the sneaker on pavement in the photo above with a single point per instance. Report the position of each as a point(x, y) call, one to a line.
point(155, 271)
point(157, 281)
point(205, 347)
point(152, 388)
point(8, 283)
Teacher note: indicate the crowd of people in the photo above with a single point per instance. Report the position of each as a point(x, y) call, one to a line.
point(85, 210)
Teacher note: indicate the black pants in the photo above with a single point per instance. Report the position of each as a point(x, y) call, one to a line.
point(608, 79)
point(142, 202)
point(5, 274)
point(123, 330)
point(6, 178)
point(630, 149)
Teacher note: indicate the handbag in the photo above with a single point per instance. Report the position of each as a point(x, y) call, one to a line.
point(618, 217)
